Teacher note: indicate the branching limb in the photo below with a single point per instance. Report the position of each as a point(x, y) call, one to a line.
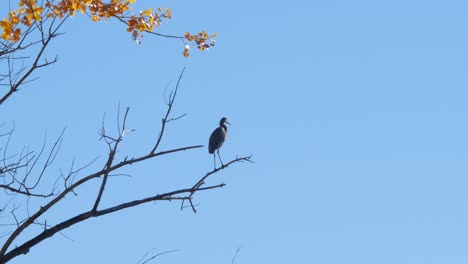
point(25, 247)
point(174, 195)
point(27, 193)
point(166, 118)
point(110, 168)
point(201, 182)
point(19, 77)
point(25, 161)
point(113, 145)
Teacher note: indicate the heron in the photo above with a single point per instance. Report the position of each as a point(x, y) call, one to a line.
point(217, 139)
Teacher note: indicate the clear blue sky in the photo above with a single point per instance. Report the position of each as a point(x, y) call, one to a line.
point(355, 112)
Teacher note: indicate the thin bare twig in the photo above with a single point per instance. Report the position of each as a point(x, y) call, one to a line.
point(154, 256)
point(170, 103)
point(110, 159)
point(235, 255)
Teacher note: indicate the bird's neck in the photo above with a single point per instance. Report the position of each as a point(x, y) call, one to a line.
point(224, 126)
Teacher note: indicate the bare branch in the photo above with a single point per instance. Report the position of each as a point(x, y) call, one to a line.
point(25, 247)
point(155, 256)
point(235, 255)
point(237, 159)
point(110, 159)
point(29, 159)
point(13, 183)
point(165, 120)
point(16, 78)
point(174, 195)
point(28, 193)
point(201, 182)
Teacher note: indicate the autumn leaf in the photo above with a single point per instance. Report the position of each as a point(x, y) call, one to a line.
point(29, 12)
point(186, 51)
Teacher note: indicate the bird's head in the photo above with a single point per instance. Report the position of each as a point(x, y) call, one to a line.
point(223, 121)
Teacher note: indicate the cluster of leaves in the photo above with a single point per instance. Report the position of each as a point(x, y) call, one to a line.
point(146, 21)
point(96, 9)
point(201, 39)
point(26, 14)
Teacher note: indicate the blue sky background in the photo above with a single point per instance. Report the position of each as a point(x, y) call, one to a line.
point(355, 112)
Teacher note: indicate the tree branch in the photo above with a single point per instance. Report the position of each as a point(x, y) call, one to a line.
point(110, 159)
point(165, 120)
point(45, 40)
point(72, 187)
point(201, 182)
point(185, 194)
point(48, 232)
point(24, 248)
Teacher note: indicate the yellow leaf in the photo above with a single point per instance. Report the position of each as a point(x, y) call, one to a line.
point(147, 12)
point(168, 12)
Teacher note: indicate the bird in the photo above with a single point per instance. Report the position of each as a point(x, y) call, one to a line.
point(217, 139)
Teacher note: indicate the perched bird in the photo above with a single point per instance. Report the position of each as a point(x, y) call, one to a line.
point(217, 139)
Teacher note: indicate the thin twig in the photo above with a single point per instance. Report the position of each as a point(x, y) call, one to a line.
point(169, 108)
point(155, 256)
point(235, 256)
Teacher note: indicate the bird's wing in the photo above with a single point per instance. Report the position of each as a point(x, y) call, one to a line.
point(216, 140)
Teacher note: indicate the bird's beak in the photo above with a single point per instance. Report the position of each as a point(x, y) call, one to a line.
point(227, 122)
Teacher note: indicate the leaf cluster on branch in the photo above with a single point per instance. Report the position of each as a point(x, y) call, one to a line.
point(30, 12)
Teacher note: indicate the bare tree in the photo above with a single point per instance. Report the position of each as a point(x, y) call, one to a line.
point(22, 184)
point(23, 173)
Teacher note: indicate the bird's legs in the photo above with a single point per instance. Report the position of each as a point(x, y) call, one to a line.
point(220, 158)
point(214, 159)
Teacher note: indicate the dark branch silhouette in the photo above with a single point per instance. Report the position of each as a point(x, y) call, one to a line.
point(71, 183)
point(23, 172)
point(17, 77)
